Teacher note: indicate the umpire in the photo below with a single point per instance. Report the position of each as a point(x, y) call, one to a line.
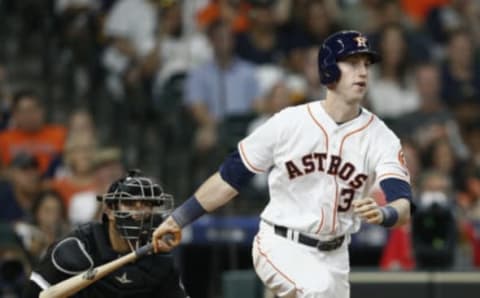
point(134, 206)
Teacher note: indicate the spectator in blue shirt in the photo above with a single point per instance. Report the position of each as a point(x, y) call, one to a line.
point(222, 89)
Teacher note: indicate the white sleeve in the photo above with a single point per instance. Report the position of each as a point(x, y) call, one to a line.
point(83, 208)
point(144, 36)
point(134, 21)
point(257, 149)
point(115, 24)
point(392, 162)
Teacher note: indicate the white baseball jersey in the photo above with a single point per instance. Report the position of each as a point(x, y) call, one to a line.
point(317, 167)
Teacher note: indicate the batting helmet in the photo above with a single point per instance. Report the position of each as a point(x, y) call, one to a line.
point(338, 46)
point(137, 224)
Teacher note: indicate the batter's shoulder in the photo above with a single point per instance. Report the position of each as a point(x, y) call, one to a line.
point(381, 128)
point(294, 110)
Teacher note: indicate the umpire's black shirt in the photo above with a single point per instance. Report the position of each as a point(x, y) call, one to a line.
point(151, 276)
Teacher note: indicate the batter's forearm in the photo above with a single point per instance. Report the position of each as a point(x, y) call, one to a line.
point(214, 193)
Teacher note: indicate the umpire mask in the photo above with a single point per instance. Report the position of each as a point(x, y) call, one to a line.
point(139, 205)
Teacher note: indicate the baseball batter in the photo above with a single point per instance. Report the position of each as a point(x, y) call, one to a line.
point(322, 158)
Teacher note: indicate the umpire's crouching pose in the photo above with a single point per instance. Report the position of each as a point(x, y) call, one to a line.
point(134, 206)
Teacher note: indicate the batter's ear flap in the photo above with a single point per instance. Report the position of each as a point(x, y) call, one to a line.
point(332, 73)
point(327, 65)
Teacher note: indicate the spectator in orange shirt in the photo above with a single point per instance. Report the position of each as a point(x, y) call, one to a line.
point(233, 12)
point(78, 159)
point(417, 11)
point(28, 132)
point(80, 121)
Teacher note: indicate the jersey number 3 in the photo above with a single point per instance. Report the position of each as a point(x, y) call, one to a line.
point(346, 198)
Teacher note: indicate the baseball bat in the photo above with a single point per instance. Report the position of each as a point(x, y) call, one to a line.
point(82, 280)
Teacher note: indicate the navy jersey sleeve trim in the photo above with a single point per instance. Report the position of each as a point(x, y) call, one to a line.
point(395, 188)
point(234, 172)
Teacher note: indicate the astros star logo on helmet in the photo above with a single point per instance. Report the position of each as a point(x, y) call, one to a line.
point(361, 41)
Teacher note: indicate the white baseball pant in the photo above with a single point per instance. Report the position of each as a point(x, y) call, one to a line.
point(293, 270)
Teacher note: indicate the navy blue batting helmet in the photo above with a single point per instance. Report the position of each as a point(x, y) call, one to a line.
point(338, 46)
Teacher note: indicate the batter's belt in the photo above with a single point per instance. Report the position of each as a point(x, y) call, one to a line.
point(307, 240)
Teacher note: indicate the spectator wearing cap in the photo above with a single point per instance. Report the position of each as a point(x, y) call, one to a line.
point(18, 192)
point(30, 133)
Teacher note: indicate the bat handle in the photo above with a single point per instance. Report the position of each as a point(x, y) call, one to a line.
point(144, 250)
point(147, 248)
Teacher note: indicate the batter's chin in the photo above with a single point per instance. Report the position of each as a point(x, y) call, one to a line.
point(356, 99)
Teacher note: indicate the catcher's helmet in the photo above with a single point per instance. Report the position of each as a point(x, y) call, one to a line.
point(137, 223)
point(338, 46)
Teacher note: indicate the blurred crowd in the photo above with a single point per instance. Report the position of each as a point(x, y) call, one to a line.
point(89, 88)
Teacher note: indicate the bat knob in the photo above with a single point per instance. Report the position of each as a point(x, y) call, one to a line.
point(167, 238)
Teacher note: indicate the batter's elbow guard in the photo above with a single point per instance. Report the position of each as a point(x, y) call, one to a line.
point(234, 172)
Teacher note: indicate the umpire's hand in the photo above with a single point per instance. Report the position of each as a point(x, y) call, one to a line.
point(167, 236)
point(368, 210)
